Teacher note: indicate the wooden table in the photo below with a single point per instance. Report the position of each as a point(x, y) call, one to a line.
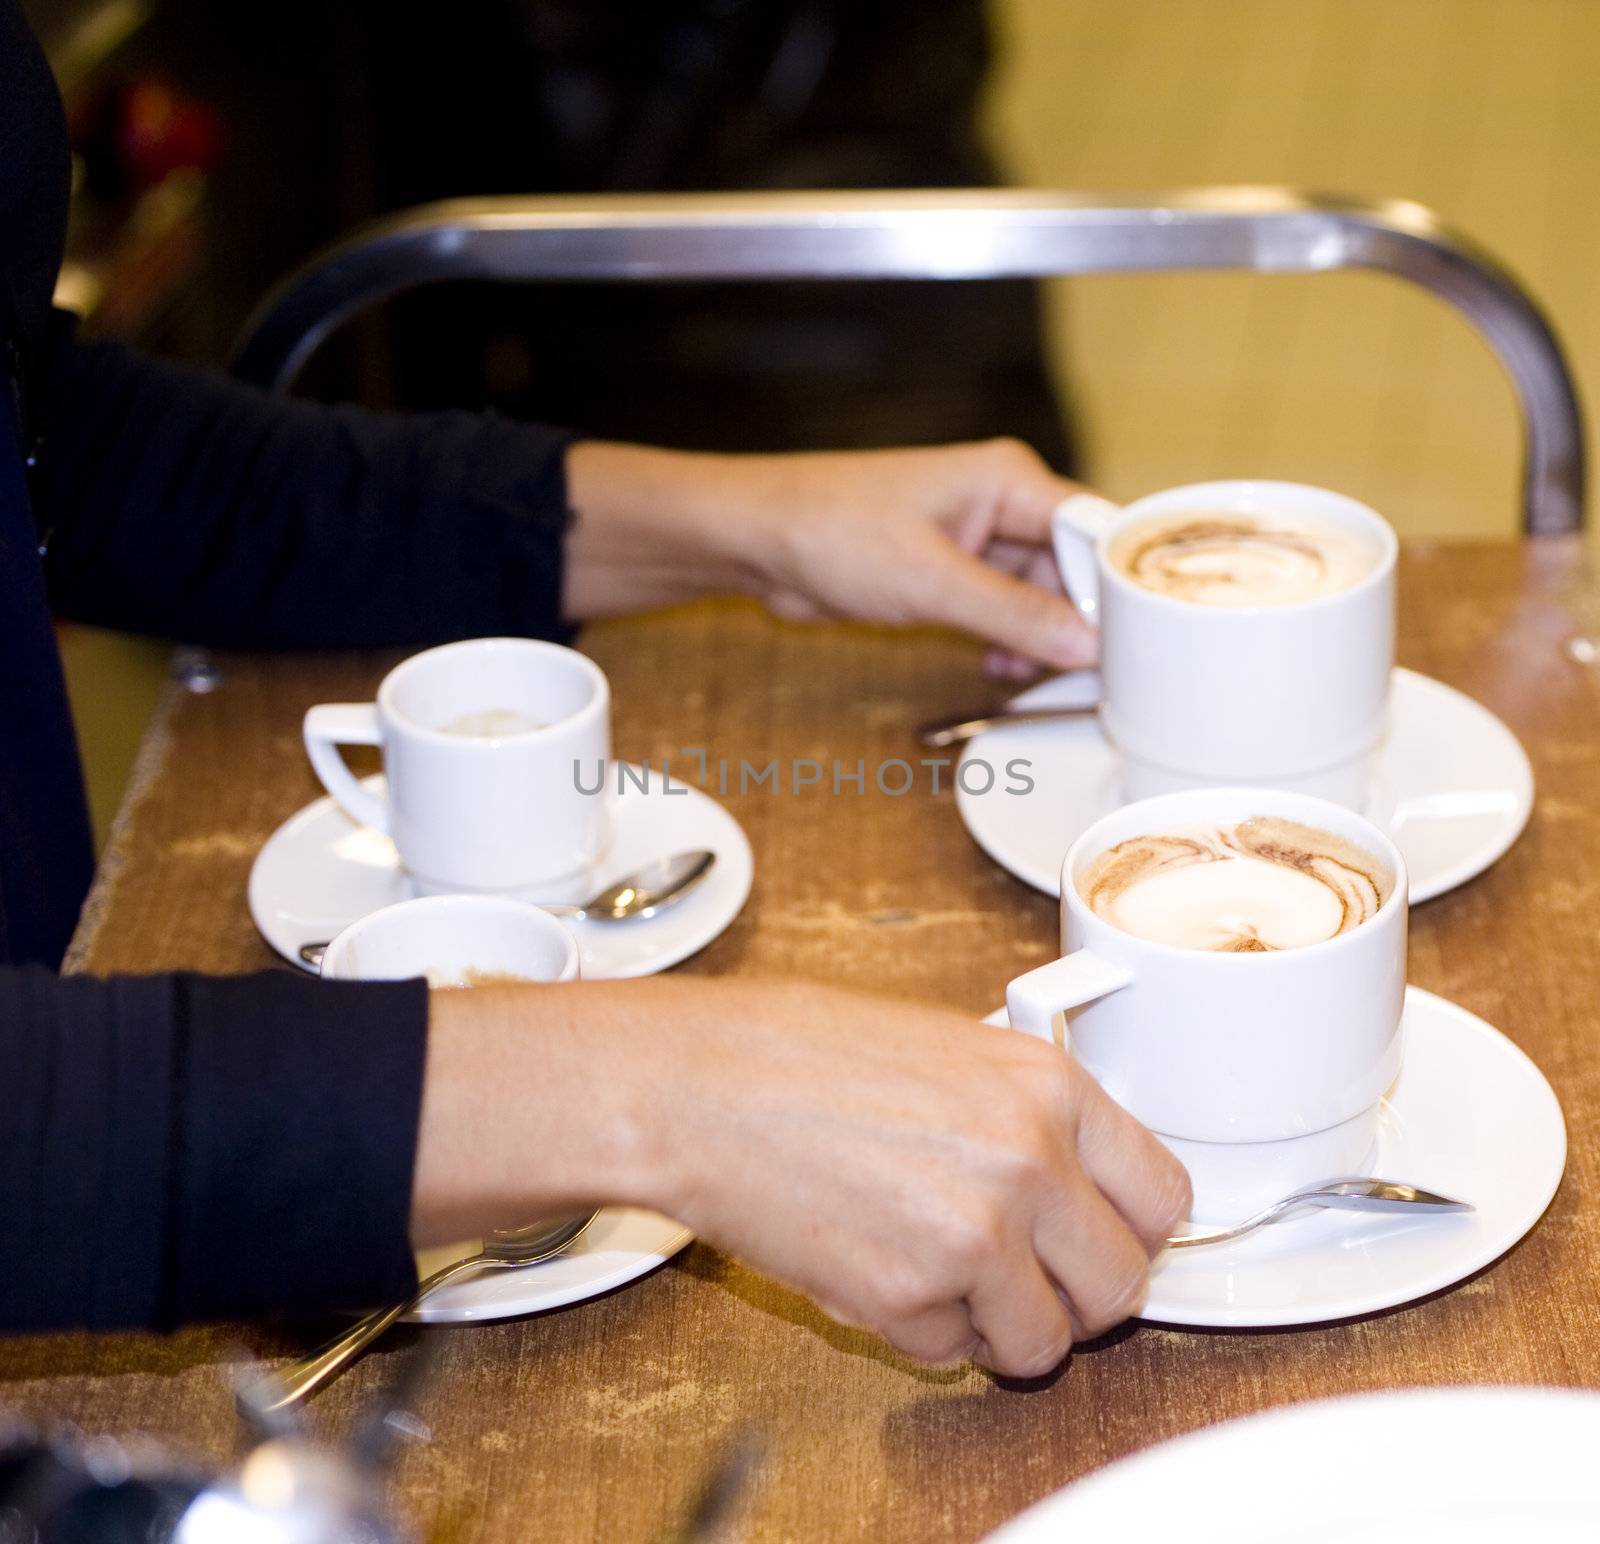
point(597, 1422)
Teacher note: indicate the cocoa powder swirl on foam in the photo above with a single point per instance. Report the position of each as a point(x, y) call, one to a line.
point(1264, 884)
point(1222, 560)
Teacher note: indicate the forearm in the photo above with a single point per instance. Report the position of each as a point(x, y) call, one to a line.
point(532, 1107)
point(539, 1100)
point(656, 527)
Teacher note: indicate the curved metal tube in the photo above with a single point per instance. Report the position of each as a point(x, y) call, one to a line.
point(942, 235)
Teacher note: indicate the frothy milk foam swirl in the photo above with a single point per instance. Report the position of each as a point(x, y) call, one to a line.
point(1263, 884)
point(1222, 559)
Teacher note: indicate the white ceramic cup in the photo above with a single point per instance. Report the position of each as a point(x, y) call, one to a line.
point(1262, 1071)
point(451, 939)
point(471, 812)
point(1194, 693)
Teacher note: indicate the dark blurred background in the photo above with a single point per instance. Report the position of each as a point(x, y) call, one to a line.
point(257, 134)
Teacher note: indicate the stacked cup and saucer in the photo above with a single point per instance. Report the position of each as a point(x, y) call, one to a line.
point(1236, 837)
point(498, 780)
point(499, 796)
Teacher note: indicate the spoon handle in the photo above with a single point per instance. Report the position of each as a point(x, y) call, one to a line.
point(1239, 1229)
point(953, 733)
point(502, 1251)
point(289, 1385)
point(1353, 1195)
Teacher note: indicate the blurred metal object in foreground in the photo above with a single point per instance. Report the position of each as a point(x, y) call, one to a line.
point(942, 235)
point(289, 1491)
point(60, 1486)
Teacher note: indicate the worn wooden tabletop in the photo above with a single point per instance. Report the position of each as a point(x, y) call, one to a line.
point(597, 1422)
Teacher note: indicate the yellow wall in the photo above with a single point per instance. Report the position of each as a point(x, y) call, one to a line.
point(1487, 110)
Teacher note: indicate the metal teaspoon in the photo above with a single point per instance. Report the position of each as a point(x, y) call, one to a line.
point(1360, 1195)
point(522, 1246)
point(954, 732)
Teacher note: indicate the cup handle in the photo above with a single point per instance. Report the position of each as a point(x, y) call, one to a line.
point(327, 727)
point(1076, 526)
point(1034, 1000)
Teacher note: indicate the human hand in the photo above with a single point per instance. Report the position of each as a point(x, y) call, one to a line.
point(953, 535)
point(962, 1190)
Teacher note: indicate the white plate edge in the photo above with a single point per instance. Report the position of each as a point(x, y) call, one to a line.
point(1300, 1318)
point(1440, 884)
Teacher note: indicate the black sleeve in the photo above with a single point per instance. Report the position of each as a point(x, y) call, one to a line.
point(182, 1147)
point(185, 505)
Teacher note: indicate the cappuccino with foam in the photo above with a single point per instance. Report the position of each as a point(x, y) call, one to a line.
point(492, 724)
point(1238, 559)
point(1262, 884)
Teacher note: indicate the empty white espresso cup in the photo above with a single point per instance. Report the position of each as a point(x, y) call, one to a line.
point(454, 940)
point(1191, 693)
point(480, 811)
point(1261, 1071)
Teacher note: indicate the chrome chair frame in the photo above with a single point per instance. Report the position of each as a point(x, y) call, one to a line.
point(942, 235)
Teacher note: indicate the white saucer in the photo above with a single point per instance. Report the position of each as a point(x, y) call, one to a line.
point(1470, 1116)
point(1421, 1466)
point(1452, 786)
point(620, 1246)
point(320, 871)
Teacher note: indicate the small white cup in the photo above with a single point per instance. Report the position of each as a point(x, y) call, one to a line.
point(1261, 1071)
point(470, 812)
point(453, 939)
point(1192, 694)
